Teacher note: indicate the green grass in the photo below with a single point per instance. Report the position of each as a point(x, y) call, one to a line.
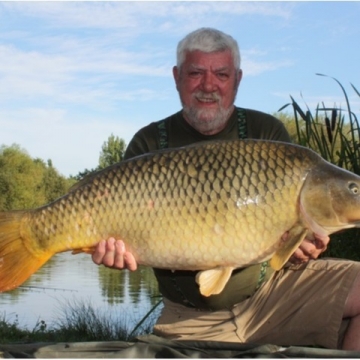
point(10, 331)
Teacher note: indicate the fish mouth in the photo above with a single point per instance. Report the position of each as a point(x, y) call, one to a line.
point(355, 221)
point(351, 224)
point(320, 231)
point(315, 229)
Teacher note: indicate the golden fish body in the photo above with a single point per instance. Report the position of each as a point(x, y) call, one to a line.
point(212, 206)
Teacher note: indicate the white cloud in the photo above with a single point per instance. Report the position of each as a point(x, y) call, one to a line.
point(75, 59)
point(71, 144)
point(86, 72)
point(253, 63)
point(141, 16)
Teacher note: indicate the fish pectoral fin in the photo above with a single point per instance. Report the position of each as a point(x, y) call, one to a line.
point(87, 250)
point(213, 281)
point(283, 254)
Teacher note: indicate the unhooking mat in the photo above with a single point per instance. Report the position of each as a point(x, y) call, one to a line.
point(154, 347)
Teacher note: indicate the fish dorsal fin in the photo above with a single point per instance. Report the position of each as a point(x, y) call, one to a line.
point(213, 281)
point(85, 180)
point(282, 255)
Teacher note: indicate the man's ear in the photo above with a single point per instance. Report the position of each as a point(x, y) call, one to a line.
point(176, 75)
point(239, 76)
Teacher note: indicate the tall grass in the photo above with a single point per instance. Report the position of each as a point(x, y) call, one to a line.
point(79, 321)
point(10, 331)
point(334, 133)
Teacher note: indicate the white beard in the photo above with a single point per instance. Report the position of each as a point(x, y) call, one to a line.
point(207, 120)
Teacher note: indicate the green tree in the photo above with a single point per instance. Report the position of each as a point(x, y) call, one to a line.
point(26, 182)
point(81, 174)
point(112, 151)
point(20, 179)
point(54, 185)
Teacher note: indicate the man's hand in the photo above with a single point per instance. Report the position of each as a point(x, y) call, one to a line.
point(112, 253)
point(309, 249)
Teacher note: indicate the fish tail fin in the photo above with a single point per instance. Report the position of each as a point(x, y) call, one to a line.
point(18, 256)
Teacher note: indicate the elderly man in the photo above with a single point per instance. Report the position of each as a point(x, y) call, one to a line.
point(309, 302)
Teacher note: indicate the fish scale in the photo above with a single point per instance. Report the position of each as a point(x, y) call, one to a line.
point(212, 207)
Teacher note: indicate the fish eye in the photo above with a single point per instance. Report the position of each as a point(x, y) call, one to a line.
point(354, 188)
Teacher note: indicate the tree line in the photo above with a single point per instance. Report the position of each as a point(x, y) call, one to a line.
point(27, 182)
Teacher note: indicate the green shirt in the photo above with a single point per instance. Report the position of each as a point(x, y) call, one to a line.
point(180, 286)
point(180, 133)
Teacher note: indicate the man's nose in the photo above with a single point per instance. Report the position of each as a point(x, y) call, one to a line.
point(209, 82)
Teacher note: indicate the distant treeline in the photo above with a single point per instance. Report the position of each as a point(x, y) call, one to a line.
point(27, 183)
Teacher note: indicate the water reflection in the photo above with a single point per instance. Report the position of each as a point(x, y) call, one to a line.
point(68, 278)
point(125, 286)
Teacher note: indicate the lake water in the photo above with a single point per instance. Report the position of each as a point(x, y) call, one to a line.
point(75, 279)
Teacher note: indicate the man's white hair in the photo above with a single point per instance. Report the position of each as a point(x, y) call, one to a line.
point(208, 40)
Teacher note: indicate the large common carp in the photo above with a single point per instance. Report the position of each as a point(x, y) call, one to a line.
point(212, 206)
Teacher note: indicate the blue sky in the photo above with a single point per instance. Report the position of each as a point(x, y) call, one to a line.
point(73, 73)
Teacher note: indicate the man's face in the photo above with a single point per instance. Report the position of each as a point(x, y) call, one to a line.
point(207, 85)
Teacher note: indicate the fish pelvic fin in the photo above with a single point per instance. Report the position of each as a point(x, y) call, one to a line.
point(19, 257)
point(213, 281)
point(86, 250)
point(287, 248)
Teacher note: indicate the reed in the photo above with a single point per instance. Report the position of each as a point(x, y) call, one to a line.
point(334, 133)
